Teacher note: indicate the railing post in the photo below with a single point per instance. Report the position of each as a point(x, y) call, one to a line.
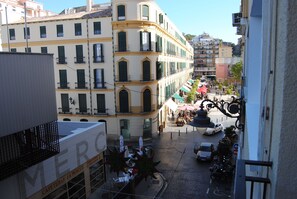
point(178, 132)
point(171, 135)
point(186, 130)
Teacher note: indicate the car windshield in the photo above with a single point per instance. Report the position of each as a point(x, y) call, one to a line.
point(205, 148)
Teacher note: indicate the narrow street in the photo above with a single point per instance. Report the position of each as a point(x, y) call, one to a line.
point(186, 177)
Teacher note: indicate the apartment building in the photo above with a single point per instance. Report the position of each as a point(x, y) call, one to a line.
point(13, 10)
point(115, 63)
point(206, 50)
point(266, 165)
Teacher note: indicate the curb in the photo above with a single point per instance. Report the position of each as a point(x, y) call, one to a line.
point(163, 188)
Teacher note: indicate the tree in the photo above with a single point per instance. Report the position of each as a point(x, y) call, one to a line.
point(236, 70)
point(116, 160)
point(189, 37)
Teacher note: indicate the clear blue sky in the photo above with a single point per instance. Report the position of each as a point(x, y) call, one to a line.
point(190, 16)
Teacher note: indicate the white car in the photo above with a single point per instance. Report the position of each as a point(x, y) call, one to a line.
point(211, 131)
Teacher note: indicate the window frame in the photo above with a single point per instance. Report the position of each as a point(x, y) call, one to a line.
point(12, 37)
point(60, 30)
point(121, 12)
point(42, 31)
point(97, 27)
point(77, 29)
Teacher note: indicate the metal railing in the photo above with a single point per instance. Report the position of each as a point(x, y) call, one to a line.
point(63, 85)
point(61, 60)
point(79, 60)
point(28, 147)
point(82, 111)
point(99, 85)
point(81, 85)
point(65, 110)
point(98, 59)
point(241, 178)
point(148, 78)
point(100, 111)
point(123, 79)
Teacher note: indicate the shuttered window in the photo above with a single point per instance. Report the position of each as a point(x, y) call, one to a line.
point(11, 34)
point(146, 69)
point(28, 33)
point(145, 12)
point(79, 54)
point(77, 29)
point(42, 30)
point(147, 101)
point(101, 103)
point(121, 13)
point(124, 101)
point(65, 103)
point(99, 78)
point(82, 100)
point(60, 31)
point(63, 78)
point(97, 28)
point(123, 73)
point(122, 42)
point(81, 78)
point(145, 41)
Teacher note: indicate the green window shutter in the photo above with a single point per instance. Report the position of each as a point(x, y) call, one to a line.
point(97, 28)
point(121, 12)
point(122, 41)
point(141, 42)
point(123, 73)
point(82, 100)
point(65, 103)
point(63, 78)
point(81, 78)
point(146, 68)
point(77, 29)
point(101, 103)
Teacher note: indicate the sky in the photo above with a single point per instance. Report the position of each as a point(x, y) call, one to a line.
point(189, 16)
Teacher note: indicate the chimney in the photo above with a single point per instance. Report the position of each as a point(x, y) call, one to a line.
point(89, 5)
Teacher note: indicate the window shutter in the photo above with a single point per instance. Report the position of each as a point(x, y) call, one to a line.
point(82, 98)
point(150, 43)
point(141, 42)
point(64, 103)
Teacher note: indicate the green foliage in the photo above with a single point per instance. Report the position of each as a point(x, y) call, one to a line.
point(116, 160)
point(188, 37)
point(190, 97)
point(220, 86)
point(236, 70)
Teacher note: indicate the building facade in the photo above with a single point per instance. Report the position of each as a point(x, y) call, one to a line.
point(266, 163)
point(206, 50)
point(115, 63)
point(14, 10)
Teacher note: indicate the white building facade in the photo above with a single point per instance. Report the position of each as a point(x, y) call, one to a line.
point(269, 90)
point(116, 63)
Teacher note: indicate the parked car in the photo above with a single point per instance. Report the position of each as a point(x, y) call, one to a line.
point(216, 129)
point(205, 151)
point(180, 121)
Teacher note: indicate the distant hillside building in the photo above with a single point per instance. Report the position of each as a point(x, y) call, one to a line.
point(116, 63)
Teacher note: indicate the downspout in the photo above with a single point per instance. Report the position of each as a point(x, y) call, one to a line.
point(89, 66)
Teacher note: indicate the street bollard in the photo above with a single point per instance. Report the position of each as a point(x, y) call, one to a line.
point(178, 132)
point(187, 130)
point(193, 128)
point(171, 135)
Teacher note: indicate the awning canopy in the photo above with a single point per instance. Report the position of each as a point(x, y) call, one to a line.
point(178, 97)
point(171, 104)
point(192, 81)
point(185, 89)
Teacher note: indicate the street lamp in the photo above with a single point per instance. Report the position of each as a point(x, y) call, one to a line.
point(233, 109)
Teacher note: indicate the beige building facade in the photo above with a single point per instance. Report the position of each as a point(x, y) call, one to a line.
point(117, 63)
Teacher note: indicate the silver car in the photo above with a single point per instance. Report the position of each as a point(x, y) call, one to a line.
point(205, 151)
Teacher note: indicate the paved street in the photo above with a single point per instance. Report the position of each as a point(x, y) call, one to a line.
point(186, 177)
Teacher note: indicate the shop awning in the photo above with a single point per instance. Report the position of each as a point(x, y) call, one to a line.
point(171, 104)
point(185, 89)
point(178, 97)
point(192, 81)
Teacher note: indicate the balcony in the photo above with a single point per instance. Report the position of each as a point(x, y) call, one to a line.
point(61, 60)
point(123, 78)
point(121, 49)
point(99, 85)
point(79, 60)
point(101, 111)
point(236, 19)
point(82, 111)
point(148, 109)
point(81, 85)
point(146, 78)
point(98, 59)
point(63, 85)
point(241, 178)
point(64, 110)
point(28, 147)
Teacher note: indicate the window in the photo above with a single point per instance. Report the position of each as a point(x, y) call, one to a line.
point(122, 42)
point(145, 41)
point(60, 32)
point(123, 73)
point(121, 13)
point(42, 31)
point(82, 100)
point(65, 103)
point(159, 45)
point(77, 29)
point(27, 33)
point(28, 50)
point(97, 28)
point(101, 103)
point(145, 12)
point(44, 50)
point(99, 78)
point(11, 34)
point(124, 101)
point(81, 78)
point(160, 18)
point(98, 53)
point(79, 54)
point(76, 187)
point(97, 177)
point(147, 101)
point(146, 69)
point(63, 79)
point(61, 55)
point(13, 50)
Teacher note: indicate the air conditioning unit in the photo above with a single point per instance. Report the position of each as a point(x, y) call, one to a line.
point(236, 19)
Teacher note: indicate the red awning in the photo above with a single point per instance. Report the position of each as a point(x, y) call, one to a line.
point(202, 89)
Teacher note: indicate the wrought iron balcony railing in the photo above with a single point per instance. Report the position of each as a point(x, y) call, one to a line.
point(64, 110)
point(81, 85)
point(81, 111)
point(63, 85)
point(61, 60)
point(79, 60)
point(28, 147)
point(100, 111)
point(241, 178)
